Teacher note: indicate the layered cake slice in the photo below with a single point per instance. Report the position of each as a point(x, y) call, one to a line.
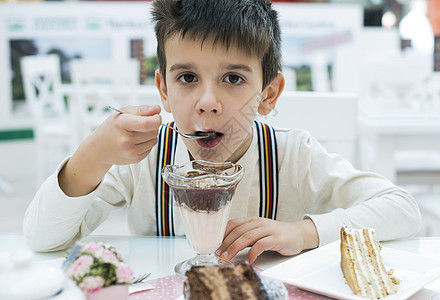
point(362, 264)
point(231, 282)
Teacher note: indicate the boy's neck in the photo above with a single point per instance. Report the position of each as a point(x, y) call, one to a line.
point(241, 150)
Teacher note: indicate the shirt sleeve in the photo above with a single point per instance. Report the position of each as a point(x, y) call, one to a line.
point(53, 220)
point(335, 194)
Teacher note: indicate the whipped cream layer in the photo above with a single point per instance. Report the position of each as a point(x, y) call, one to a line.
point(205, 228)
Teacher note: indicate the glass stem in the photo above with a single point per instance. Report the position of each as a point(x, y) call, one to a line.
point(205, 259)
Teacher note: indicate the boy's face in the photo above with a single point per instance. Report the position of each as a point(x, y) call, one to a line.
point(212, 89)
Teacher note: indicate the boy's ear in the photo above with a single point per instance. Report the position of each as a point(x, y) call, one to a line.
point(162, 88)
point(271, 94)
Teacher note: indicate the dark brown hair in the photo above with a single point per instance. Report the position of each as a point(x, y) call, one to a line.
point(250, 25)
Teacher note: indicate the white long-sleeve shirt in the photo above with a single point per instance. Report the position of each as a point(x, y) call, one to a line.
point(313, 184)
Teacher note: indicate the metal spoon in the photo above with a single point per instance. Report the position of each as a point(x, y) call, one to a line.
point(200, 135)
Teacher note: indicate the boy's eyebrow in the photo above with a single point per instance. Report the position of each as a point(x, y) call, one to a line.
point(243, 67)
point(181, 66)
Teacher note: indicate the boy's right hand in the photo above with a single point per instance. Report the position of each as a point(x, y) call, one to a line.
point(121, 139)
point(127, 138)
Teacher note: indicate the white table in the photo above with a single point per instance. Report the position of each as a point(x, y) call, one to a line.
point(159, 255)
point(387, 135)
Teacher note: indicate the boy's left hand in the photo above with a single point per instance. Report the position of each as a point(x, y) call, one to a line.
point(265, 234)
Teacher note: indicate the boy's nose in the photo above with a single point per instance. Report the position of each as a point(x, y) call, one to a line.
point(208, 102)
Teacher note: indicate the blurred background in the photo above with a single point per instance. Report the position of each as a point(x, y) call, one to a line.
point(362, 76)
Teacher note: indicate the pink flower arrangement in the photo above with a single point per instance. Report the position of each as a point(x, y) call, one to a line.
point(98, 265)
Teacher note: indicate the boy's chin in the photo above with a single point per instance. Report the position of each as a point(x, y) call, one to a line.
point(209, 154)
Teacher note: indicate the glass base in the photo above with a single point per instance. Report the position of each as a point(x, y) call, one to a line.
point(199, 260)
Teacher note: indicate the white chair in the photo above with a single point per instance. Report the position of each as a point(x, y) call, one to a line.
point(418, 168)
point(401, 89)
point(329, 117)
point(98, 84)
point(53, 130)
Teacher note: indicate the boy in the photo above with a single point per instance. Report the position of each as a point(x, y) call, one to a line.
point(219, 66)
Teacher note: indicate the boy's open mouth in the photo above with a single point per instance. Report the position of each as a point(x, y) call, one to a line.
point(212, 140)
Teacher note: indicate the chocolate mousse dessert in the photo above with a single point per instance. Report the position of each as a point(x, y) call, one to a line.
point(206, 199)
point(205, 188)
point(203, 197)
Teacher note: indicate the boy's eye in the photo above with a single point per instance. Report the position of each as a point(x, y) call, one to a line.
point(233, 78)
point(187, 78)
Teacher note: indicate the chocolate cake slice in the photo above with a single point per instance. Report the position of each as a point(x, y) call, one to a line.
point(224, 282)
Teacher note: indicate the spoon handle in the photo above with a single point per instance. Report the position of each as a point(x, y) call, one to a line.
point(115, 109)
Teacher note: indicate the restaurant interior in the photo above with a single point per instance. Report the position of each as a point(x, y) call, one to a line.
point(372, 66)
point(363, 77)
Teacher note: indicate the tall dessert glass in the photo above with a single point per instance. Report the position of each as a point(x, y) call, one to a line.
point(203, 195)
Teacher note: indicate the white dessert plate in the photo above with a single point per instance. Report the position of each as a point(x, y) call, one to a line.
point(319, 271)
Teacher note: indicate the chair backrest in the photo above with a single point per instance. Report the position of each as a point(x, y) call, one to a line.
point(329, 117)
point(42, 82)
point(98, 84)
point(395, 80)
